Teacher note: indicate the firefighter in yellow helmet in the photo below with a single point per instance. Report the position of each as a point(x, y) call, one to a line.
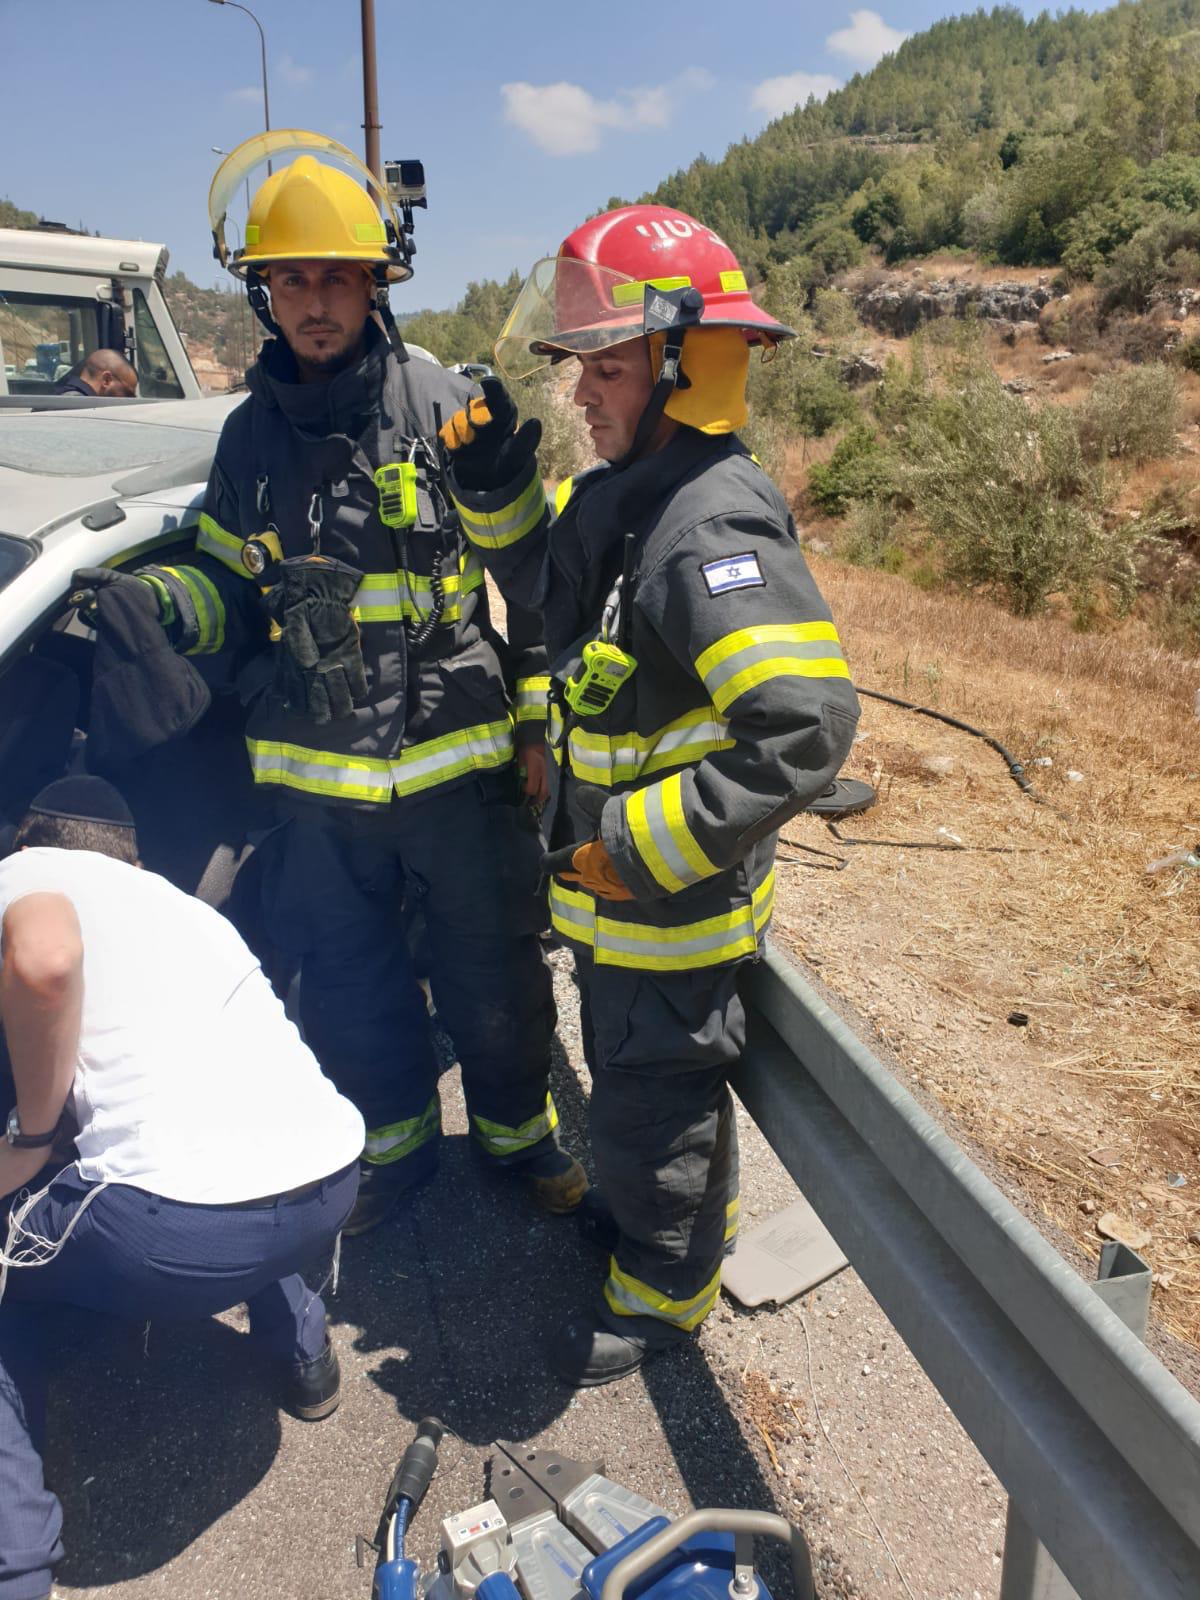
point(699, 698)
point(387, 718)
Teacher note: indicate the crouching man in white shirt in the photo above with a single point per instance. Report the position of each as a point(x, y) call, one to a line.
point(212, 1158)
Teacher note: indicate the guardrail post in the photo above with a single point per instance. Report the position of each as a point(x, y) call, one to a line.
point(1123, 1283)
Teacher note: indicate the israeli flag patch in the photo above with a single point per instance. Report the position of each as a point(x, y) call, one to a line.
point(733, 572)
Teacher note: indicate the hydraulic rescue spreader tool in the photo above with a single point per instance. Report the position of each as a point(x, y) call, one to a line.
point(555, 1528)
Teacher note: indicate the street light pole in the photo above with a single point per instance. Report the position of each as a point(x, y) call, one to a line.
point(371, 122)
point(262, 44)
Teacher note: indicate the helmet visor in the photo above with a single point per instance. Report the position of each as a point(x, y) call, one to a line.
point(570, 307)
point(263, 147)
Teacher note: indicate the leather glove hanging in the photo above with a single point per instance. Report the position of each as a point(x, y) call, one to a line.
point(595, 872)
point(485, 447)
point(319, 669)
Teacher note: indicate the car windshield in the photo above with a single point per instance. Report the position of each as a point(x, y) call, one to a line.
point(62, 446)
point(15, 555)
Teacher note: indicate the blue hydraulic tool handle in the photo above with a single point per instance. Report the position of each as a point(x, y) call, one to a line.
point(663, 1560)
point(397, 1578)
point(498, 1586)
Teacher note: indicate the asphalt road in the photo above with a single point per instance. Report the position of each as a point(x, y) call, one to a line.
point(181, 1478)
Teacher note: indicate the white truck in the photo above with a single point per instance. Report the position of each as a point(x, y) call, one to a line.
point(63, 295)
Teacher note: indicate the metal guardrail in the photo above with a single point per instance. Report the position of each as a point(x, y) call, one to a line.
point(1096, 1443)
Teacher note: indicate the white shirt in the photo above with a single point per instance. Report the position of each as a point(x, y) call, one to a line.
point(191, 1081)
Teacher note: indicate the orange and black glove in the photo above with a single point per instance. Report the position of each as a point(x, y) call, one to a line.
point(594, 871)
point(486, 448)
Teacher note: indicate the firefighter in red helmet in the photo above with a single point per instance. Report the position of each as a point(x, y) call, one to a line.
point(699, 698)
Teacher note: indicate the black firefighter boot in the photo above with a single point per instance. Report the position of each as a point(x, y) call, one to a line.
point(597, 1347)
point(382, 1186)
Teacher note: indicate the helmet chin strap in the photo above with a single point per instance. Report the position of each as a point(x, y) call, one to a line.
point(256, 293)
point(384, 310)
point(672, 313)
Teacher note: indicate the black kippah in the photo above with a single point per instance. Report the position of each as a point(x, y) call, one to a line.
point(82, 799)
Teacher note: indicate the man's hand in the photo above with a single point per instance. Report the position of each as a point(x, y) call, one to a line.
point(594, 871)
point(535, 785)
point(486, 448)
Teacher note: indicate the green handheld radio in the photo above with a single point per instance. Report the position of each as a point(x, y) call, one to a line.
point(396, 482)
point(605, 666)
point(604, 669)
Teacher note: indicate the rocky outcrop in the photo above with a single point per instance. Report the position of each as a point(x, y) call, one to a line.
point(900, 309)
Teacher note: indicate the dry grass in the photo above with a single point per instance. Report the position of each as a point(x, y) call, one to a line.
point(952, 266)
point(937, 948)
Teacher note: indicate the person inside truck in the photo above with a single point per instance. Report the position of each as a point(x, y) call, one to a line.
point(104, 375)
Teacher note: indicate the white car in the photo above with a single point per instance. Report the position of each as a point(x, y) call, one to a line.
point(110, 485)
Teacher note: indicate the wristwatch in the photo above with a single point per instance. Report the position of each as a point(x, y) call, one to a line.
point(28, 1141)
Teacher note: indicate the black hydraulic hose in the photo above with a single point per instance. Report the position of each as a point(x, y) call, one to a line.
point(1016, 770)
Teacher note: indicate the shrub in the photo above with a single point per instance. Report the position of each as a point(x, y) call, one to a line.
point(565, 447)
point(1133, 414)
point(834, 314)
point(903, 392)
point(1161, 255)
point(1014, 504)
point(857, 470)
point(819, 399)
point(870, 539)
point(767, 437)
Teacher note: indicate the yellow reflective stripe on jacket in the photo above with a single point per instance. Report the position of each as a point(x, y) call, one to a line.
point(347, 777)
point(320, 772)
point(624, 757)
point(662, 838)
point(217, 541)
point(501, 1140)
point(554, 732)
point(562, 494)
point(750, 656)
point(495, 530)
point(210, 610)
point(166, 600)
point(631, 1297)
point(400, 1139)
point(531, 698)
point(425, 765)
point(408, 596)
point(711, 942)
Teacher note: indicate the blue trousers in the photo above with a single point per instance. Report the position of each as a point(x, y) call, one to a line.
point(136, 1255)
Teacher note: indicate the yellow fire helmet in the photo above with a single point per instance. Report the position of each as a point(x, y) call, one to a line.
point(309, 209)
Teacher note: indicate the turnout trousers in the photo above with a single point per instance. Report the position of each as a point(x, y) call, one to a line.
point(659, 1047)
point(133, 1254)
point(334, 889)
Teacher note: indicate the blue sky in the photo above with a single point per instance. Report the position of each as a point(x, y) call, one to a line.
point(528, 115)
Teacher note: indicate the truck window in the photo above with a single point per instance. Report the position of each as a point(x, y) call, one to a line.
point(45, 335)
point(157, 379)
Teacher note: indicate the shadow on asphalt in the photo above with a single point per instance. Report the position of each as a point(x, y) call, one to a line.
point(461, 1296)
point(448, 1311)
point(206, 1426)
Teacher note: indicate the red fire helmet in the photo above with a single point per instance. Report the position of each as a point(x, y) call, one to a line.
point(592, 293)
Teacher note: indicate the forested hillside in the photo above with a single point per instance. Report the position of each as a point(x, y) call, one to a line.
point(1068, 141)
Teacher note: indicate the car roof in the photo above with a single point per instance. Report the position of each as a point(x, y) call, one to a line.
point(33, 501)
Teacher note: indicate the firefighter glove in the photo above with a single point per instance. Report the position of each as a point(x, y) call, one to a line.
point(486, 448)
point(87, 582)
point(594, 871)
point(319, 667)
